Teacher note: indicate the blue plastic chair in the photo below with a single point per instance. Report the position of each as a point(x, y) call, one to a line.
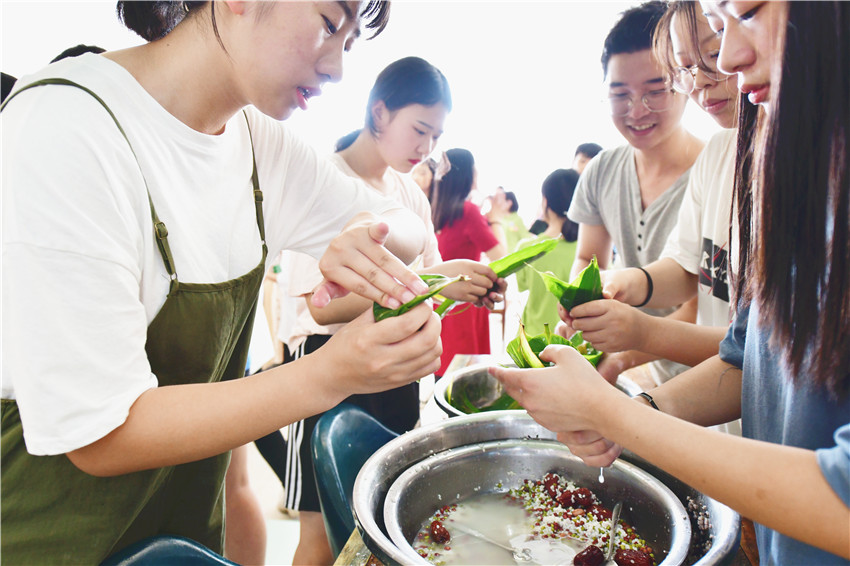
point(164, 549)
point(344, 438)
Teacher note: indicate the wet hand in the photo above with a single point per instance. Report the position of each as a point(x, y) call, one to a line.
point(594, 449)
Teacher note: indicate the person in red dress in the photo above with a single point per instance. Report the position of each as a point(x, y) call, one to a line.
point(463, 233)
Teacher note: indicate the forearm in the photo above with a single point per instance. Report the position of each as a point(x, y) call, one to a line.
point(675, 338)
point(672, 285)
point(183, 423)
point(707, 394)
point(778, 486)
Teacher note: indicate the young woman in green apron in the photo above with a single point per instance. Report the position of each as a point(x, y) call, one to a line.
point(152, 184)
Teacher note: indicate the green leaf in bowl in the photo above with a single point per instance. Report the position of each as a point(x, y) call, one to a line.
point(536, 345)
point(436, 283)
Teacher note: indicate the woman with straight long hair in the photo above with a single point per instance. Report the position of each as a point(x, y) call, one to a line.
point(463, 233)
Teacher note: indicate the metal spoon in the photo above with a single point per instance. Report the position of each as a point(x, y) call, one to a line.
point(519, 554)
point(615, 518)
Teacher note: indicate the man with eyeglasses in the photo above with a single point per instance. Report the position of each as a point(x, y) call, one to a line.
point(628, 198)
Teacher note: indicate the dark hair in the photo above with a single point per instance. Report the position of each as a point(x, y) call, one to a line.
point(155, 19)
point(633, 31)
point(451, 191)
point(800, 238)
point(589, 149)
point(558, 190)
point(511, 197)
point(78, 50)
point(411, 80)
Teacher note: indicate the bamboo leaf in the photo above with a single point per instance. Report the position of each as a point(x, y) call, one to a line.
point(512, 262)
point(586, 287)
point(436, 283)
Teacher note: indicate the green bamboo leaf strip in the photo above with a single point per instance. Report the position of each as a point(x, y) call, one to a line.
point(436, 283)
point(511, 263)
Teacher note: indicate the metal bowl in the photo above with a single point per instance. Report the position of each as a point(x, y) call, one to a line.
point(446, 478)
point(477, 388)
point(390, 461)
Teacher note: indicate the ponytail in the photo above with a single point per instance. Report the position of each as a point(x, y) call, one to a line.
point(153, 20)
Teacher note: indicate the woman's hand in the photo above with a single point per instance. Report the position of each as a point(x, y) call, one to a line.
point(357, 261)
point(562, 397)
point(483, 287)
point(367, 356)
point(611, 326)
point(594, 449)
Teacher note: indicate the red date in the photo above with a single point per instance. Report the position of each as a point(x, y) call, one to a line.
point(590, 556)
point(600, 512)
point(582, 497)
point(627, 557)
point(566, 498)
point(440, 533)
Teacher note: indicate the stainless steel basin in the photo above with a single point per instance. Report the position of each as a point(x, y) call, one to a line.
point(457, 474)
point(388, 463)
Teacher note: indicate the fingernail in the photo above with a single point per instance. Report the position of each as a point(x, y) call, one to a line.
point(407, 296)
point(393, 303)
point(420, 287)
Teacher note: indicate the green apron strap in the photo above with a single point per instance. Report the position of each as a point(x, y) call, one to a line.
point(160, 231)
point(258, 194)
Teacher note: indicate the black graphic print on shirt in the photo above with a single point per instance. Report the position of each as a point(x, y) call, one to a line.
point(713, 269)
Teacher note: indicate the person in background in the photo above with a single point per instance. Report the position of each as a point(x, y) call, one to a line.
point(423, 175)
point(162, 202)
point(463, 233)
point(541, 307)
point(790, 473)
point(584, 153)
point(405, 117)
point(694, 261)
point(504, 209)
point(629, 197)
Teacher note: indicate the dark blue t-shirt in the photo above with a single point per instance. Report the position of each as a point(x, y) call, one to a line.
point(773, 409)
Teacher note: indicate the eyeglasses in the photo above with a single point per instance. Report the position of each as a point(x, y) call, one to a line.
point(654, 101)
point(685, 78)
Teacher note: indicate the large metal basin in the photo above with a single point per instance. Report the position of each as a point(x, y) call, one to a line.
point(457, 474)
point(479, 389)
point(387, 464)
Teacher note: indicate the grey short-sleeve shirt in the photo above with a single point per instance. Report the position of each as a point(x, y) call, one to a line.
point(608, 193)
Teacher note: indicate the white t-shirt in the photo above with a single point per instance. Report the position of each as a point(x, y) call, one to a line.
point(82, 275)
point(305, 274)
point(700, 240)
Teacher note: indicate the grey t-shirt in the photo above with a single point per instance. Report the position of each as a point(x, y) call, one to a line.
point(608, 194)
